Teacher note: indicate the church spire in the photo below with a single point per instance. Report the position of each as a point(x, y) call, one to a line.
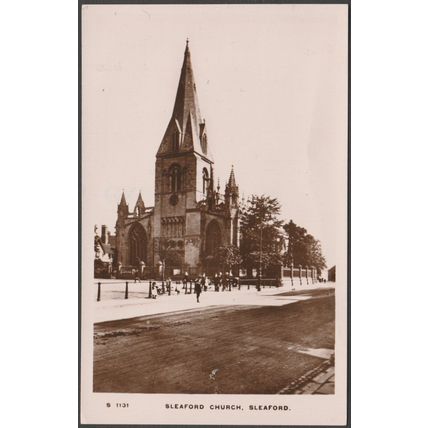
point(123, 200)
point(232, 181)
point(231, 192)
point(122, 208)
point(186, 100)
point(186, 130)
point(139, 206)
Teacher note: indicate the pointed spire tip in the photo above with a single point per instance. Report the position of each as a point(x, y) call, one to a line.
point(122, 198)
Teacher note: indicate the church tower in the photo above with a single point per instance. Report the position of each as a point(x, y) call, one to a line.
point(183, 175)
point(190, 219)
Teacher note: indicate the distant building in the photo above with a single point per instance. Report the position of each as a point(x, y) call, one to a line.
point(104, 252)
point(331, 275)
point(190, 218)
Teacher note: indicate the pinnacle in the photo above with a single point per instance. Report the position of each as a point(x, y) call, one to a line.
point(232, 181)
point(140, 202)
point(123, 199)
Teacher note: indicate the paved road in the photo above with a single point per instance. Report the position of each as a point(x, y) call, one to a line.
point(222, 349)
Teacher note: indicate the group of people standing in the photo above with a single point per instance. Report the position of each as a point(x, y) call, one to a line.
point(200, 282)
point(220, 281)
point(224, 281)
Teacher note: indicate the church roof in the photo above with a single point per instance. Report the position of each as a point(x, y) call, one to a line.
point(186, 120)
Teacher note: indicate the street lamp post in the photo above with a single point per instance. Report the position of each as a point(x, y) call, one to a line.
point(163, 276)
point(291, 273)
point(280, 247)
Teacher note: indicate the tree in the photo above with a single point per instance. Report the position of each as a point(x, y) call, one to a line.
point(303, 248)
point(97, 246)
point(314, 253)
point(228, 257)
point(170, 252)
point(261, 232)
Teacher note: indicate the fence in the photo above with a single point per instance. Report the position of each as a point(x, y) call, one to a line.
point(299, 275)
point(125, 289)
point(122, 289)
point(144, 289)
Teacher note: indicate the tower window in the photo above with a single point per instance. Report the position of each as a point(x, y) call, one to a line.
point(205, 181)
point(175, 178)
point(204, 143)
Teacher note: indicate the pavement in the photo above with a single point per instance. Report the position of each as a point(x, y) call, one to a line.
point(113, 305)
point(319, 380)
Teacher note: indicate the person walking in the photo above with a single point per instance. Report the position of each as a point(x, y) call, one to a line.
point(198, 288)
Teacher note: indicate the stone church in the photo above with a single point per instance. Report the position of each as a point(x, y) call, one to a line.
point(191, 218)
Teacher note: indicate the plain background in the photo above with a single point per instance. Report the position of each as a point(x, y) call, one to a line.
point(39, 213)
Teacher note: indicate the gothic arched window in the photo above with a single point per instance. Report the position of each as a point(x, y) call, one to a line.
point(205, 181)
point(137, 245)
point(175, 172)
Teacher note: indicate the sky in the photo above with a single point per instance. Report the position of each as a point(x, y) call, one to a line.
point(272, 86)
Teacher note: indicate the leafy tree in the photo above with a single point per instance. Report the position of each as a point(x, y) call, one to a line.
point(303, 248)
point(314, 253)
point(228, 256)
point(261, 232)
point(170, 252)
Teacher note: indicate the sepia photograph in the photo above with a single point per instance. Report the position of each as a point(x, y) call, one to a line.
point(214, 281)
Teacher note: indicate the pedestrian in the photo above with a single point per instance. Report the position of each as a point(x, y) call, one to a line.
point(224, 281)
point(141, 266)
point(136, 276)
point(154, 290)
point(198, 288)
point(216, 282)
point(185, 281)
point(204, 282)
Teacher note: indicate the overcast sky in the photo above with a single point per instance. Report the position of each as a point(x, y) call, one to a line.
point(272, 86)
